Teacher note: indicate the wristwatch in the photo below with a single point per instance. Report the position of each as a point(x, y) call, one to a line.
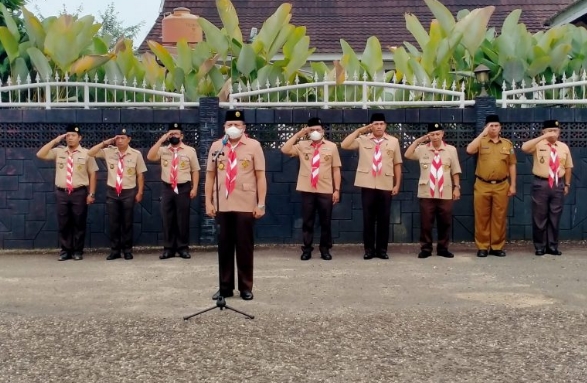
point(93, 195)
point(457, 186)
point(262, 207)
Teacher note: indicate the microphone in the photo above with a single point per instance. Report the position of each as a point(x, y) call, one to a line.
point(225, 140)
point(220, 152)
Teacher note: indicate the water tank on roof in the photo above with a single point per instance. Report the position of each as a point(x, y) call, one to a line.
point(180, 24)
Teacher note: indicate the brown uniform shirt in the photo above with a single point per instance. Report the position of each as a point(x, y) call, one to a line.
point(329, 158)
point(450, 165)
point(133, 164)
point(250, 158)
point(188, 163)
point(83, 166)
point(390, 156)
point(541, 158)
point(495, 158)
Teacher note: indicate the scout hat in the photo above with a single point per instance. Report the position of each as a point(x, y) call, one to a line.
point(377, 117)
point(234, 115)
point(551, 124)
point(71, 128)
point(122, 131)
point(491, 118)
point(433, 127)
point(314, 121)
point(174, 126)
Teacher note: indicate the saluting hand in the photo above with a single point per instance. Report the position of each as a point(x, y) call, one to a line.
point(548, 135)
point(425, 138)
point(60, 138)
point(109, 141)
point(365, 129)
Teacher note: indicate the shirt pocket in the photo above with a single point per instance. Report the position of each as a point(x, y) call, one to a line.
point(81, 160)
point(245, 163)
point(424, 172)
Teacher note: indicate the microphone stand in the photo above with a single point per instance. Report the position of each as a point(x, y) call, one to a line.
point(220, 301)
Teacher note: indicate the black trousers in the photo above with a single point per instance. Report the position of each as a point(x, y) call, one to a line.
point(72, 213)
point(235, 235)
point(120, 218)
point(376, 209)
point(175, 213)
point(432, 209)
point(547, 208)
point(312, 203)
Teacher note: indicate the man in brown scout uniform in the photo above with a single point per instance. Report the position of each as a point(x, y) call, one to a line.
point(552, 163)
point(126, 183)
point(438, 186)
point(495, 165)
point(379, 173)
point(75, 173)
point(319, 183)
point(180, 174)
point(242, 188)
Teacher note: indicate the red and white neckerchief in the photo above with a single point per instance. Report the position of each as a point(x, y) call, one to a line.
point(315, 165)
point(231, 170)
point(436, 175)
point(173, 172)
point(119, 173)
point(69, 176)
point(377, 160)
point(553, 166)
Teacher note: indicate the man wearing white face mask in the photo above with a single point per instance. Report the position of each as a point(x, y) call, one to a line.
point(318, 181)
point(242, 188)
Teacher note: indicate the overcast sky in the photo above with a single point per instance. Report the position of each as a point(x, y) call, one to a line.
point(131, 12)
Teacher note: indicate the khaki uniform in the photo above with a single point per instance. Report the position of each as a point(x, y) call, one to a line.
point(319, 199)
point(120, 208)
point(72, 209)
point(547, 202)
point(491, 192)
point(376, 190)
point(437, 206)
point(235, 213)
point(175, 207)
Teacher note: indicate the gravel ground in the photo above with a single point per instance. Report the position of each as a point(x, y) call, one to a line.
point(517, 319)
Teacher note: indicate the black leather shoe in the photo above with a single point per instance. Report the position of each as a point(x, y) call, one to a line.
point(539, 252)
point(247, 295)
point(128, 256)
point(64, 256)
point(445, 254)
point(167, 254)
point(368, 254)
point(77, 256)
point(113, 256)
point(553, 251)
point(497, 253)
point(306, 255)
point(382, 255)
point(482, 253)
point(325, 256)
point(225, 294)
point(424, 254)
point(185, 254)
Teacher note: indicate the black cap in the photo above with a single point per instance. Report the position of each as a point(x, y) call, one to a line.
point(71, 128)
point(377, 117)
point(492, 118)
point(234, 115)
point(551, 124)
point(122, 131)
point(174, 126)
point(314, 121)
point(434, 127)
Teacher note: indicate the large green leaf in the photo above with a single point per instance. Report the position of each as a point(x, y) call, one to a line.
point(184, 56)
point(40, 63)
point(207, 66)
point(87, 63)
point(412, 49)
point(442, 14)
point(293, 39)
point(162, 54)
point(511, 22)
point(419, 72)
point(270, 73)
point(36, 30)
point(514, 70)
point(9, 43)
point(349, 60)
point(191, 87)
point(229, 19)
point(559, 57)
point(372, 58)
point(214, 36)
point(60, 43)
point(401, 59)
point(279, 41)
point(301, 52)
point(537, 66)
point(20, 70)
point(430, 51)
point(271, 29)
point(201, 53)
point(474, 28)
point(99, 47)
point(246, 60)
point(10, 23)
point(153, 71)
point(417, 30)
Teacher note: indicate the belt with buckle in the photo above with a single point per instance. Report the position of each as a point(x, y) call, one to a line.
point(74, 189)
point(541, 178)
point(491, 181)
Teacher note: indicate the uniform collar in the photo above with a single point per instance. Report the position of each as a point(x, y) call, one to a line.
point(371, 136)
point(431, 148)
point(180, 146)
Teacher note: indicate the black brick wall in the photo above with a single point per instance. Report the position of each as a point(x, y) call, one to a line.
point(27, 204)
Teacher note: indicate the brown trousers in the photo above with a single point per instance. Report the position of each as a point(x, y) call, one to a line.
point(490, 202)
point(432, 209)
point(235, 234)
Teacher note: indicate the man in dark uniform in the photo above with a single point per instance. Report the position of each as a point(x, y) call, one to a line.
point(379, 173)
point(552, 163)
point(126, 183)
point(179, 173)
point(495, 165)
point(242, 188)
point(75, 173)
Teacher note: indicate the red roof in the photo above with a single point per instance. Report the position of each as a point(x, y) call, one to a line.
point(328, 21)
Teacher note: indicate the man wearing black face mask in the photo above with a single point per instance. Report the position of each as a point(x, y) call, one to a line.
point(180, 174)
